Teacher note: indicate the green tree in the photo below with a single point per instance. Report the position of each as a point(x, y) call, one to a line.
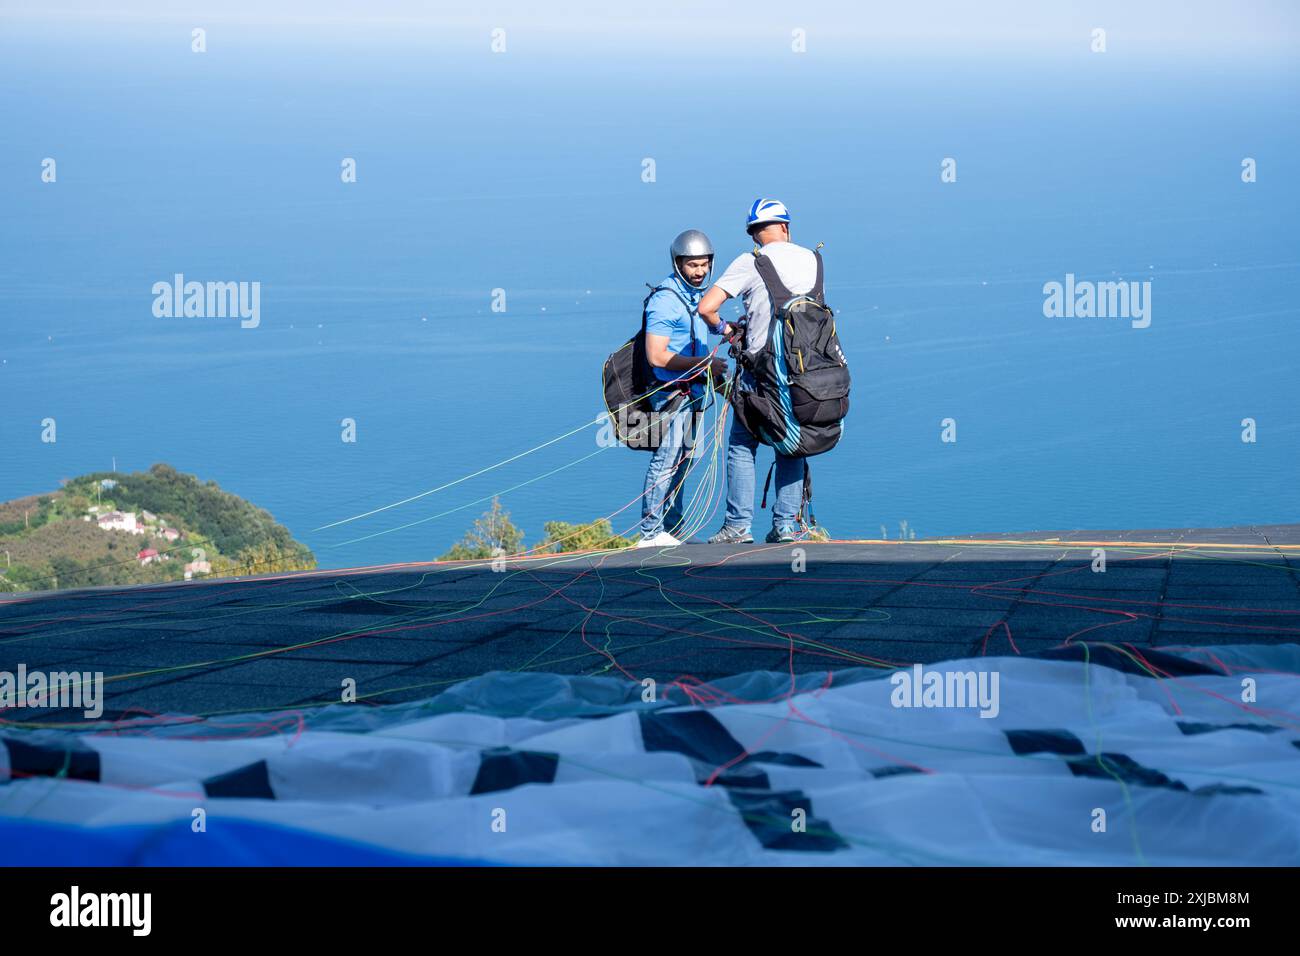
point(594, 536)
point(76, 506)
point(492, 535)
point(262, 558)
point(38, 577)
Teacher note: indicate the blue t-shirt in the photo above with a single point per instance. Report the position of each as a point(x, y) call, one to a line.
point(666, 314)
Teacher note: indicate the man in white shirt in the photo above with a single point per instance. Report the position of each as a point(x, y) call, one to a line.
point(768, 224)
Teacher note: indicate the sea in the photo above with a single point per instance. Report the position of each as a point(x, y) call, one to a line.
point(451, 307)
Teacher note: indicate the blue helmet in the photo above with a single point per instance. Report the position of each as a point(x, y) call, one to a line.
point(764, 211)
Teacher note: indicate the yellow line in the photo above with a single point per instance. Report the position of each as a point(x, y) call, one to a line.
point(1057, 543)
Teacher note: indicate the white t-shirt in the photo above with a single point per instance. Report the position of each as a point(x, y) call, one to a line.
point(797, 268)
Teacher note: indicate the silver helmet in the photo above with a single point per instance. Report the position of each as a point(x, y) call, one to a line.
point(691, 244)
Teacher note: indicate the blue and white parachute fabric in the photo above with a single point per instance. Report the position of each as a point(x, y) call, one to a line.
point(1090, 754)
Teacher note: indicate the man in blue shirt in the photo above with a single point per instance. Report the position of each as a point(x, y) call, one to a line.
point(677, 350)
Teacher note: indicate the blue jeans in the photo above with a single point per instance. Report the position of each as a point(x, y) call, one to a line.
point(742, 448)
point(661, 505)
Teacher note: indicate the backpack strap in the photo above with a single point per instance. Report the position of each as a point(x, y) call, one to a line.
point(645, 307)
point(805, 500)
point(807, 492)
point(776, 290)
point(690, 309)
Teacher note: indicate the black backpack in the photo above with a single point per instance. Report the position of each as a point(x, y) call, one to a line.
point(801, 376)
point(629, 381)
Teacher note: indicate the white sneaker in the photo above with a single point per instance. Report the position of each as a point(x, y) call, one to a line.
point(662, 540)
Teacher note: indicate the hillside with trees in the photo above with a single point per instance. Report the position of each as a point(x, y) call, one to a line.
point(139, 528)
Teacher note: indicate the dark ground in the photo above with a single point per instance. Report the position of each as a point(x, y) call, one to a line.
point(695, 613)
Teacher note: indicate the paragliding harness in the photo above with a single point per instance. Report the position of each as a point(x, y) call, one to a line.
point(801, 377)
point(630, 384)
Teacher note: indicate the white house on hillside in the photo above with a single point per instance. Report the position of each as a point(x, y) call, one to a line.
point(120, 521)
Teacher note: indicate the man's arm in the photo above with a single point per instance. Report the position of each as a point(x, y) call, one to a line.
point(708, 309)
point(664, 313)
point(660, 356)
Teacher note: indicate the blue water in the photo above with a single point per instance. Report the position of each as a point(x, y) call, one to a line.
point(523, 172)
